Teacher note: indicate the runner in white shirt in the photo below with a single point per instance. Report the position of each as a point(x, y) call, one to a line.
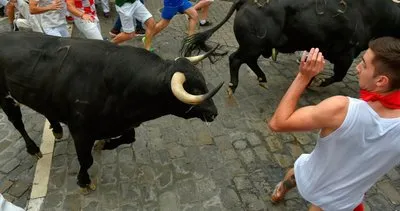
point(51, 16)
point(23, 18)
point(359, 139)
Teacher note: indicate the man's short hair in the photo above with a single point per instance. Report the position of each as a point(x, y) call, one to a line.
point(387, 59)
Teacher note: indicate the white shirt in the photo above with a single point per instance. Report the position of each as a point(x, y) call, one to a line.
point(53, 18)
point(347, 162)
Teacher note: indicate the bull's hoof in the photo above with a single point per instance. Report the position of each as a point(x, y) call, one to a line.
point(231, 89)
point(99, 145)
point(34, 151)
point(274, 55)
point(317, 82)
point(87, 189)
point(321, 82)
point(326, 82)
point(38, 155)
point(57, 130)
point(58, 135)
point(263, 84)
point(229, 92)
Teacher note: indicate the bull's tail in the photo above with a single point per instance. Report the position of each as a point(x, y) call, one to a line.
point(197, 41)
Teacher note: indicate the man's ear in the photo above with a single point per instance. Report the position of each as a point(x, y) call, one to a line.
point(383, 81)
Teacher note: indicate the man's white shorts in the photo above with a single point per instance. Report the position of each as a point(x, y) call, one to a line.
point(129, 13)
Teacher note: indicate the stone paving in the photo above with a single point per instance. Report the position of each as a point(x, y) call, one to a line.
point(177, 164)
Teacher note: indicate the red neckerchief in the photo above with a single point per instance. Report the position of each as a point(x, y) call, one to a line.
point(391, 100)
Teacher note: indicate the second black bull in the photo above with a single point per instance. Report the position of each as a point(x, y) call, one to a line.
point(341, 29)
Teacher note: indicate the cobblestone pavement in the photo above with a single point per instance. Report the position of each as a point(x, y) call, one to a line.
point(177, 164)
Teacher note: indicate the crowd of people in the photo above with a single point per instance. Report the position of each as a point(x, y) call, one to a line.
point(133, 18)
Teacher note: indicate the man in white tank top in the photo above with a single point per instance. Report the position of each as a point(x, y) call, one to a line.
point(359, 139)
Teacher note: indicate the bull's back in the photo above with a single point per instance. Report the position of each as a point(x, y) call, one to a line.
point(46, 73)
point(63, 77)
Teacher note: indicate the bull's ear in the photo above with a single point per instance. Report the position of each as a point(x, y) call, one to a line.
point(181, 94)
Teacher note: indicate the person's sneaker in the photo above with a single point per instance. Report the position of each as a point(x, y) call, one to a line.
point(113, 32)
point(106, 14)
point(140, 32)
point(207, 23)
point(144, 40)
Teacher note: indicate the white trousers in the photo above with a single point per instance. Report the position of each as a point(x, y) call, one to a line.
point(90, 30)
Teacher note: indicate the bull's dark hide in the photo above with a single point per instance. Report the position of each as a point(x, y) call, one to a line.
point(100, 90)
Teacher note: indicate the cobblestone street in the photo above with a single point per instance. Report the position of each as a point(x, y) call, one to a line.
point(176, 164)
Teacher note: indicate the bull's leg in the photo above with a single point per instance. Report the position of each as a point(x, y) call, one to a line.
point(83, 147)
point(262, 80)
point(341, 66)
point(112, 143)
point(13, 112)
point(56, 128)
point(235, 61)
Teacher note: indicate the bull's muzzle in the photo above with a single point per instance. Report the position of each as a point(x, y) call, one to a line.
point(181, 94)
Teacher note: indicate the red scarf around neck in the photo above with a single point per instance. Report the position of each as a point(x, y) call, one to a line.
point(391, 100)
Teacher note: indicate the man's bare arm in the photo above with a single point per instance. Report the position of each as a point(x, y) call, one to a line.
point(75, 11)
point(329, 114)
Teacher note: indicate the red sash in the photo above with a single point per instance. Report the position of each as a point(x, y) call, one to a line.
point(359, 207)
point(391, 100)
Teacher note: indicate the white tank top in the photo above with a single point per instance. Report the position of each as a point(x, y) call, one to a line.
point(347, 162)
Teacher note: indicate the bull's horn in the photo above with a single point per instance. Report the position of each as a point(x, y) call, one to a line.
point(181, 94)
point(199, 58)
point(274, 54)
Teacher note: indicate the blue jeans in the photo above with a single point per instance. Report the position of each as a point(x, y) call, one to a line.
point(118, 24)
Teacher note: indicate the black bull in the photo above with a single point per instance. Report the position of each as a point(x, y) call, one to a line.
point(100, 90)
point(340, 28)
